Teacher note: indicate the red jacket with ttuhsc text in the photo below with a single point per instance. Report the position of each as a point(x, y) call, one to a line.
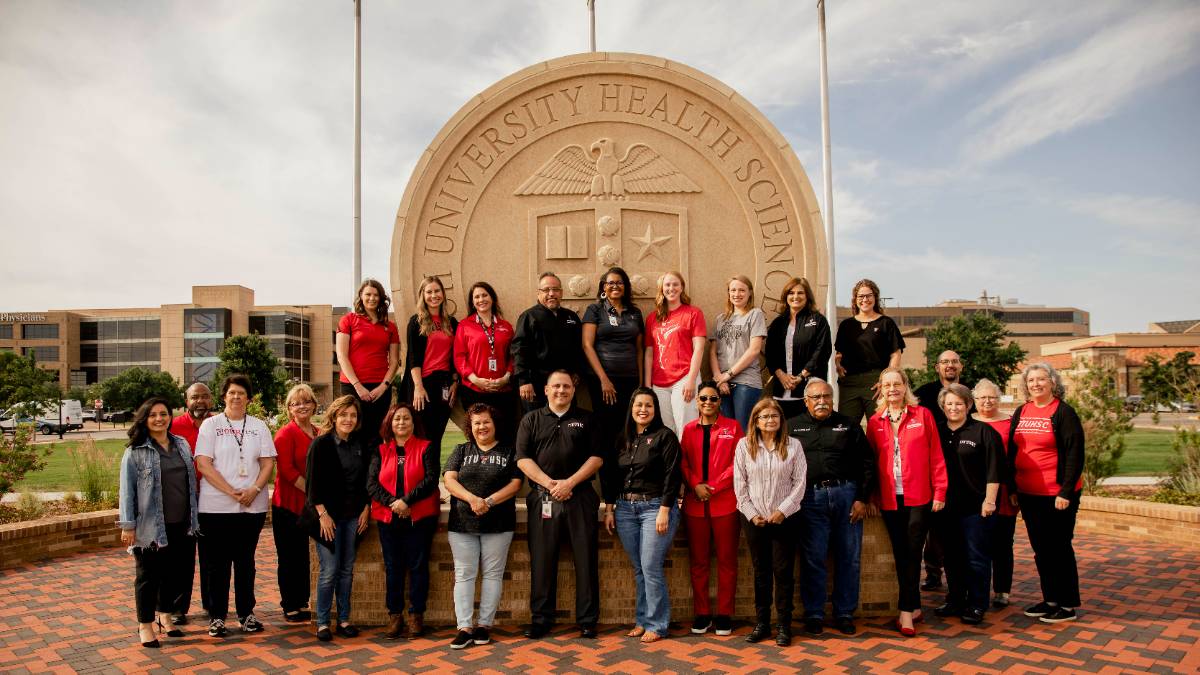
point(922, 466)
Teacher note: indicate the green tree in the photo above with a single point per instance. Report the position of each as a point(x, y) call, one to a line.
point(133, 387)
point(1175, 380)
point(251, 355)
point(979, 340)
point(77, 394)
point(22, 381)
point(19, 456)
point(1105, 420)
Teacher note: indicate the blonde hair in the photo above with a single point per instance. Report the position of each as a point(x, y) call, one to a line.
point(660, 300)
point(424, 316)
point(295, 394)
point(909, 397)
point(754, 436)
point(729, 308)
point(339, 404)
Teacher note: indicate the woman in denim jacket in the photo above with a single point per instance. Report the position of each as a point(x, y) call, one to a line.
point(157, 516)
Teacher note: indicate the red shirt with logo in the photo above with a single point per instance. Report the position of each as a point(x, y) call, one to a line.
point(473, 353)
point(922, 465)
point(1004, 507)
point(671, 340)
point(1036, 457)
point(723, 437)
point(438, 349)
point(369, 345)
point(291, 444)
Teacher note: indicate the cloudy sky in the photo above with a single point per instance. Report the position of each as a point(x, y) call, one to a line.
point(1047, 151)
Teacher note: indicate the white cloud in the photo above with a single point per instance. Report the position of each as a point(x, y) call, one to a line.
point(1088, 83)
point(1133, 213)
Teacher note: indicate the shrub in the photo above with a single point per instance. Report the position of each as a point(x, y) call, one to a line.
point(1169, 496)
point(1183, 475)
point(30, 506)
point(95, 471)
point(1105, 421)
point(19, 457)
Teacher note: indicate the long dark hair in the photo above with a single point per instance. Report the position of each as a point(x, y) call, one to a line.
point(627, 294)
point(490, 291)
point(385, 429)
point(630, 435)
point(140, 429)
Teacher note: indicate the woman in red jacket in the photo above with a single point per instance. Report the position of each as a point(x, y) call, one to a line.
point(710, 508)
point(403, 484)
point(287, 504)
point(481, 358)
point(912, 474)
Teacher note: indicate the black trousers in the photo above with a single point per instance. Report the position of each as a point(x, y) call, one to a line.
point(610, 419)
point(291, 554)
point(371, 412)
point(229, 541)
point(1003, 532)
point(934, 554)
point(505, 402)
point(162, 573)
point(437, 410)
point(773, 554)
point(574, 520)
point(185, 597)
point(906, 528)
point(1050, 534)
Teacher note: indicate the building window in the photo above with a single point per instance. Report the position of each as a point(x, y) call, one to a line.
point(207, 321)
point(6, 331)
point(41, 354)
point(89, 330)
point(40, 331)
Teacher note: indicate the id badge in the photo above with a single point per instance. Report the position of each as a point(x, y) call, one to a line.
point(612, 321)
point(242, 470)
point(446, 392)
point(547, 510)
point(493, 364)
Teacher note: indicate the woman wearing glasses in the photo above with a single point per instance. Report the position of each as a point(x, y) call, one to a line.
point(866, 343)
point(710, 508)
point(769, 472)
point(287, 504)
point(612, 344)
point(1004, 521)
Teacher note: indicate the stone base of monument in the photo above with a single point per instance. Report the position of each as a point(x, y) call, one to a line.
point(617, 594)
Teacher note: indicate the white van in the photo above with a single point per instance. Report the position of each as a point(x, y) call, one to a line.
point(69, 415)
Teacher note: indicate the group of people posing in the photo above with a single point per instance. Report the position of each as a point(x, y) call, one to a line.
point(721, 456)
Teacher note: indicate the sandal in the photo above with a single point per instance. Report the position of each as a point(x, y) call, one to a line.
point(651, 636)
point(637, 631)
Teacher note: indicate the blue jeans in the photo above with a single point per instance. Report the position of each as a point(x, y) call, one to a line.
point(337, 571)
point(966, 540)
point(471, 552)
point(405, 546)
point(740, 402)
point(647, 550)
point(826, 530)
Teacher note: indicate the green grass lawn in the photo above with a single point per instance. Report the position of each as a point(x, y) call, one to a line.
point(1147, 453)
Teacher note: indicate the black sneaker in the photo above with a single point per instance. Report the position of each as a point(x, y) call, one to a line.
point(1039, 610)
point(701, 625)
point(216, 628)
point(846, 625)
point(347, 630)
point(461, 640)
point(481, 635)
point(1059, 615)
point(723, 625)
point(814, 626)
point(251, 624)
point(972, 616)
point(1000, 601)
point(179, 620)
point(324, 634)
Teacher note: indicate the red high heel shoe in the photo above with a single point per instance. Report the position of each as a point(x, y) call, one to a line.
point(906, 632)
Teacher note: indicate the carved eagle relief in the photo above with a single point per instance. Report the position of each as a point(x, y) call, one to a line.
point(600, 174)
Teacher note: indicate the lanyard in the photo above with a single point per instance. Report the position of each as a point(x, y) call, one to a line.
point(237, 436)
point(489, 333)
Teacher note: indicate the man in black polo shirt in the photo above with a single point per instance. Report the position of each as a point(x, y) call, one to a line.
point(547, 337)
point(841, 469)
point(556, 450)
point(949, 369)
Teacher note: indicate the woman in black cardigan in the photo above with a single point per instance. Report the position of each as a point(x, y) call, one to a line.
point(336, 478)
point(1046, 468)
point(806, 354)
point(430, 379)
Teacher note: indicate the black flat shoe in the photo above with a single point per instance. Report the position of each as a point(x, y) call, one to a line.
point(588, 630)
point(761, 632)
point(784, 637)
point(297, 616)
point(324, 634)
point(536, 631)
point(347, 630)
point(972, 617)
point(948, 609)
point(814, 626)
point(845, 624)
point(179, 619)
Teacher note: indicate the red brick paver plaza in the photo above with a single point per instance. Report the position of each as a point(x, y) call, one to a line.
point(1141, 613)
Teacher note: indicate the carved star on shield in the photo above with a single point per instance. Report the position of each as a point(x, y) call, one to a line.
point(650, 244)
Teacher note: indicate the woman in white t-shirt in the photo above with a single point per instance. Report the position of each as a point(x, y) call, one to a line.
point(235, 456)
point(737, 337)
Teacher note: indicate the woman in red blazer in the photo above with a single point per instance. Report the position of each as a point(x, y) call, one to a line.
point(710, 507)
point(403, 484)
point(912, 482)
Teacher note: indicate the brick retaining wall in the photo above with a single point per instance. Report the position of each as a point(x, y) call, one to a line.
point(1143, 521)
point(27, 542)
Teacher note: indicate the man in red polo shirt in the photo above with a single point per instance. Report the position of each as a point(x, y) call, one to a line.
point(199, 403)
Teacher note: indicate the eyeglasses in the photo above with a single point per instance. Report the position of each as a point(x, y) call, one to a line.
point(708, 399)
point(301, 404)
point(864, 296)
point(767, 416)
point(550, 289)
point(946, 362)
point(820, 397)
point(614, 284)
point(987, 398)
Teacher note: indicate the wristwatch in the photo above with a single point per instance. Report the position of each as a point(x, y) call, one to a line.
point(490, 502)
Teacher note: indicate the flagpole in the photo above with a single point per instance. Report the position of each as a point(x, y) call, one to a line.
point(827, 171)
point(357, 144)
point(592, 15)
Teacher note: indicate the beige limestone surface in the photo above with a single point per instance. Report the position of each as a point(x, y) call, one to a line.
point(600, 159)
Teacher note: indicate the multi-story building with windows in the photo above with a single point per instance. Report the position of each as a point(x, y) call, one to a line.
point(84, 346)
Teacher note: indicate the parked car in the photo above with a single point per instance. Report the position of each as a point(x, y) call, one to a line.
point(89, 415)
point(1183, 406)
point(117, 416)
point(50, 419)
point(1134, 402)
